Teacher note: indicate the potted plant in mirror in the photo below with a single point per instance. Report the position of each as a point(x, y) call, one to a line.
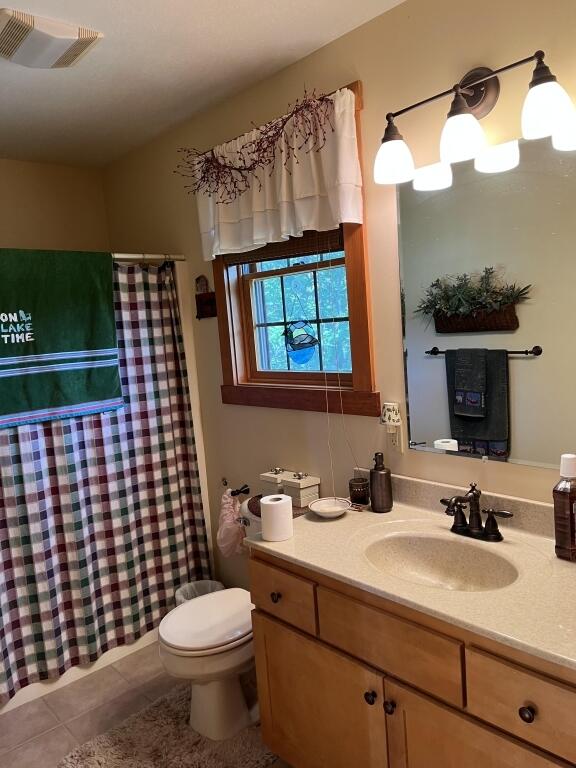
point(473, 302)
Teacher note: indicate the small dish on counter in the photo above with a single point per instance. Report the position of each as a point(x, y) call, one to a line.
point(330, 507)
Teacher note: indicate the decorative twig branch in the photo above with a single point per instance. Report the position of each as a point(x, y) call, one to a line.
point(304, 128)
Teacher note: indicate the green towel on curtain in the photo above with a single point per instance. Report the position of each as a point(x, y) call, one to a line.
point(58, 348)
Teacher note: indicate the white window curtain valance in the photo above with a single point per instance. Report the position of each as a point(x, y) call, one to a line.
point(317, 190)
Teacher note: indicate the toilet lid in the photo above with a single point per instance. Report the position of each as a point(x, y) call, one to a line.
point(210, 621)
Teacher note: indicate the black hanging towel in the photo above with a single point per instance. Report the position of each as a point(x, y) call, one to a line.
point(490, 434)
point(470, 383)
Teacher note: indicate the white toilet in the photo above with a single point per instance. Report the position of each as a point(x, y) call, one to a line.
point(208, 641)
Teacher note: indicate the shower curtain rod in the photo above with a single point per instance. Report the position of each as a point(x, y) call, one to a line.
point(146, 257)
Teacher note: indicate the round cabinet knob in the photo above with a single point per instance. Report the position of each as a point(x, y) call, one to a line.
point(370, 697)
point(275, 597)
point(527, 714)
point(389, 707)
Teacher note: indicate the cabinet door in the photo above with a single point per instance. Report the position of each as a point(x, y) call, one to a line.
point(319, 708)
point(424, 734)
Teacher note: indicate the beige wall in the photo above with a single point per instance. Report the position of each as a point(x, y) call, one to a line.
point(407, 54)
point(51, 206)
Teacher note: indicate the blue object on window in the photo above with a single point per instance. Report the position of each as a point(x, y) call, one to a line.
point(300, 342)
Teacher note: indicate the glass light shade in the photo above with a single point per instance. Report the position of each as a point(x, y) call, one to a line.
point(564, 138)
point(394, 163)
point(498, 158)
point(431, 177)
point(547, 107)
point(462, 139)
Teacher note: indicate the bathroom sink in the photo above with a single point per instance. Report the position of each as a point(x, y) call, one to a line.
point(441, 561)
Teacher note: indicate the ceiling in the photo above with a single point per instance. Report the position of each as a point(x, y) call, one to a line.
point(160, 62)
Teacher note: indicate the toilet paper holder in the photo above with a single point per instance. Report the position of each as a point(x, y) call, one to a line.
point(243, 518)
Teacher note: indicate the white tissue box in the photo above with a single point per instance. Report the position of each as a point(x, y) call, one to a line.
point(304, 482)
point(302, 498)
point(273, 482)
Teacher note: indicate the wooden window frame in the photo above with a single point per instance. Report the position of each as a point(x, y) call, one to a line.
point(306, 391)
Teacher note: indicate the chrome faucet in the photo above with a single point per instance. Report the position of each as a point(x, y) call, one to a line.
point(473, 526)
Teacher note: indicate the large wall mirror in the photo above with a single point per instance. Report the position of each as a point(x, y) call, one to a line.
point(474, 397)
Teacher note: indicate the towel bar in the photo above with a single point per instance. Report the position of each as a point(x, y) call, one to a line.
point(535, 351)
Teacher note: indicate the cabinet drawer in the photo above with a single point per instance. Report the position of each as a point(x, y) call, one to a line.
point(498, 689)
point(426, 659)
point(284, 595)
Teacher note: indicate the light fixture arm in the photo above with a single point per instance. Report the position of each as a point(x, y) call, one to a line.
point(538, 57)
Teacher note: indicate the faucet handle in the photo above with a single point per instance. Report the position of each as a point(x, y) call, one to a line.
point(460, 524)
point(452, 504)
point(453, 508)
point(491, 530)
point(498, 513)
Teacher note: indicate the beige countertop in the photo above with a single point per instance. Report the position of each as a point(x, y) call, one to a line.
point(536, 613)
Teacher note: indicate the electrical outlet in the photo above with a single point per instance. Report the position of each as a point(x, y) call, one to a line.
point(396, 439)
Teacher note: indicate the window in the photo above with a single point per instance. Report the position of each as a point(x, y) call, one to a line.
point(294, 324)
point(297, 314)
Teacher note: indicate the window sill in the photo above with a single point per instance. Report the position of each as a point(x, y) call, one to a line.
point(303, 398)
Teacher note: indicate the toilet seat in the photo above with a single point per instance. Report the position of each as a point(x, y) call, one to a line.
point(208, 651)
point(208, 625)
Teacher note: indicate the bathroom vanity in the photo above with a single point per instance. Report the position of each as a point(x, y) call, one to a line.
point(395, 643)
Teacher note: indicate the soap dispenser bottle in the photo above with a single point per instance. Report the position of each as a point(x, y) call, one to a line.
point(380, 486)
point(564, 513)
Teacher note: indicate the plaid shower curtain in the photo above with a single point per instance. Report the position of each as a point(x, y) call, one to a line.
point(101, 516)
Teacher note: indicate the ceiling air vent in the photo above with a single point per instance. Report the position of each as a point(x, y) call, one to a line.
point(34, 41)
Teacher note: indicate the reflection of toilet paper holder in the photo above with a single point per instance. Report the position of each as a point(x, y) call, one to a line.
point(446, 444)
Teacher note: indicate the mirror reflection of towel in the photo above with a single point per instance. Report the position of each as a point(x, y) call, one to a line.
point(470, 383)
point(489, 435)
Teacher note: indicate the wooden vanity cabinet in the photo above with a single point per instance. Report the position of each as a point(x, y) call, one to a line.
point(348, 680)
point(318, 707)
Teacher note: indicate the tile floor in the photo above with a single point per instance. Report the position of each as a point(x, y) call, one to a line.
point(40, 733)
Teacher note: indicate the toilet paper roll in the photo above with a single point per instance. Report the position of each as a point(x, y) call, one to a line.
point(446, 444)
point(276, 514)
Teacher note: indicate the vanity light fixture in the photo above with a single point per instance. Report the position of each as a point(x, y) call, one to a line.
point(564, 137)
point(547, 111)
point(498, 158)
point(462, 136)
point(433, 177)
point(547, 106)
point(393, 163)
